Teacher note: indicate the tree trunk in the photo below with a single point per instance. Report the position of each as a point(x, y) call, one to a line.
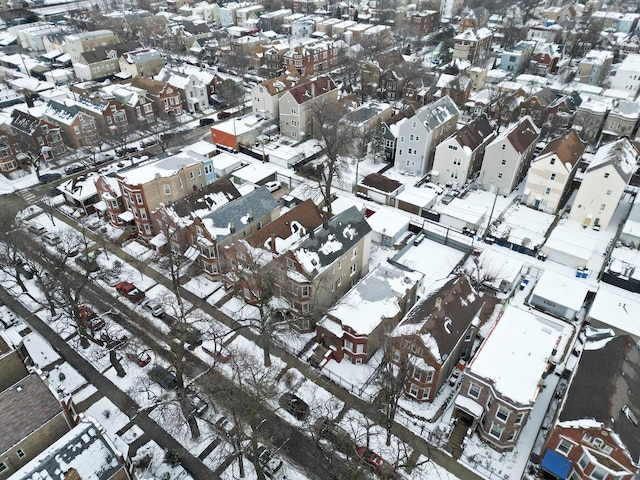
point(115, 361)
point(266, 348)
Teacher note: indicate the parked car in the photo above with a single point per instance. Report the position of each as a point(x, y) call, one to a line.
point(37, 229)
point(74, 168)
point(150, 142)
point(51, 238)
point(374, 461)
point(207, 121)
point(224, 424)
point(447, 198)
point(186, 332)
point(130, 291)
point(143, 359)
point(110, 279)
point(273, 186)
point(89, 264)
point(198, 405)
point(217, 350)
point(163, 377)
point(222, 115)
point(49, 177)
point(270, 463)
point(89, 318)
point(153, 307)
point(337, 435)
point(294, 405)
point(25, 269)
point(121, 152)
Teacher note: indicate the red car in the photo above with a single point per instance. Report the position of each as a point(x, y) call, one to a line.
point(89, 317)
point(130, 291)
point(142, 359)
point(379, 465)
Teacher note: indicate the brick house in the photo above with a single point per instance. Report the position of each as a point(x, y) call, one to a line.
point(109, 115)
point(424, 22)
point(500, 385)
point(78, 129)
point(596, 432)
point(111, 203)
point(136, 102)
point(437, 334)
point(36, 135)
point(472, 45)
point(589, 118)
point(550, 176)
point(552, 113)
point(144, 187)
point(545, 58)
point(312, 59)
point(353, 337)
point(33, 417)
point(193, 91)
point(166, 98)
point(10, 157)
point(269, 58)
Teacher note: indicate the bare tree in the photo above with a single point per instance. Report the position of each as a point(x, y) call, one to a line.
point(230, 93)
point(340, 139)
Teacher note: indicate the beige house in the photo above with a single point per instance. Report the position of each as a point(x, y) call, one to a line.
point(507, 158)
point(604, 183)
point(78, 43)
point(472, 46)
point(551, 174)
point(295, 106)
point(144, 62)
point(266, 95)
point(594, 68)
point(461, 154)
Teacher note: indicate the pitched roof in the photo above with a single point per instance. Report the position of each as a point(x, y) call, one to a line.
point(439, 320)
point(382, 183)
point(300, 220)
point(614, 369)
point(474, 134)
point(25, 407)
point(208, 197)
point(621, 154)
point(545, 96)
point(568, 148)
point(522, 134)
point(312, 89)
point(436, 113)
point(24, 122)
point(328, 243)
point(152, 87)
point(282, 83)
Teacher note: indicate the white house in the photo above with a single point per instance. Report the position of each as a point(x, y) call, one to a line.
point(507, 158)
point(560, 295)
point(418, 135)
point(461, 153)
point(265, 95)
point(551, 174)
point(193, 91)
point(617, 309)
point(627, 76)
point(604, 183)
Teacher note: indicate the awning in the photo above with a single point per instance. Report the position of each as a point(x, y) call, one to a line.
point(126, 216)
point(469, 406)
point(556, 464)
point(192, 254)
point(101, 206)
point(159, 240)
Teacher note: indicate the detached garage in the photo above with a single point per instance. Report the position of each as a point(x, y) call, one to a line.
point(388, 227)
point(570, 246)
point(559, 295)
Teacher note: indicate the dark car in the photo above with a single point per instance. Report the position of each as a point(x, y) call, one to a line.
point(89, 264)
point(148, 143)
point(25, 269)
point(198, 405)
point(121, 152)
point(207, 121)
point(187, 333)
point(379, 465)
point(223, 115)
point(294, 405)
point(163, 377)
point(337, 435)
point(89, 318)
point(75, 168)
point(130, 291)
point(49, 177)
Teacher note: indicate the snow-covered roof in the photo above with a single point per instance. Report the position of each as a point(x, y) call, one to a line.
point(573, 241)
point(166, 167)
point(421, 197)
point(514, 355)
point(618, 308)
point(388, 222)
point(621, 154)
point(561, 290)
point(201, 148)
point(495, 267)
point(465, 211)
point(375, 298)
point(255, 172)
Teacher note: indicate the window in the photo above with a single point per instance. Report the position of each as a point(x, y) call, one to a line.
point(199, 172)
point(608, 192)
point(147, 229)
point(339, 282)
point(348, 345)
point(564, 446)
point(584, 461)
point(208, 169)
point(519, 418)
point(143, 214)
point(401, 139)
point(305, 290)
point(587, 438)
point(360, 348)
point(192, 175)
point(429, 378)
point(167, 189)
point(496, 431)
point(453, 147)
point(552, 161)
point(598, 442)
point(603, 206)
point(411, 137)
point(547, 191)
point(292, 111)
point(396, 355)
point(598, 473)
point(553, 176)
point(504, 161)
point(294, 123)
point(500, 175)
point(355, 253)
point(417, 374)
point(139, 198)
point(353, 269)
point(474, 390)
point(3, 467)
point(504, 146)
point(290, 263)
point(502, 414)
point(294, 134)
point(606, 175)
point(413, 390)
point(20, 453)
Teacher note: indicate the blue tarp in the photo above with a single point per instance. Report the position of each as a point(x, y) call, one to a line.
point(556, 464)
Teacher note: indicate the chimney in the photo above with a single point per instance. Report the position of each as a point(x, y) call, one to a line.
point(438, 303)
point(325, 224)
point(232, 227)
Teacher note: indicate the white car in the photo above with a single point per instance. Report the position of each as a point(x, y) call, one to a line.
point(51, 238)
point(273, 186)
point(153, 307)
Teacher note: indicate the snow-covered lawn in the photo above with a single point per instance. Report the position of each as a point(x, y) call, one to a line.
point(201, 286)
point(151, 465)
point(139, 251)
point(523, 225)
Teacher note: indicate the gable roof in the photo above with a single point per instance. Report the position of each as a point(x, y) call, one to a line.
point(312, 89)
point(440, 319)
point(24, 122)
point(521, 135)
point(209, 197)
point(382, 183)
point(545, 96)
point(282, 83)
point(151, 86)
point(621, 154)
point(330, 241)
point(242, 211)
point(568, 148)
point(25, 407)
point(614, 369)
point(474, 134)
point(436, 113)
point(297, 222)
